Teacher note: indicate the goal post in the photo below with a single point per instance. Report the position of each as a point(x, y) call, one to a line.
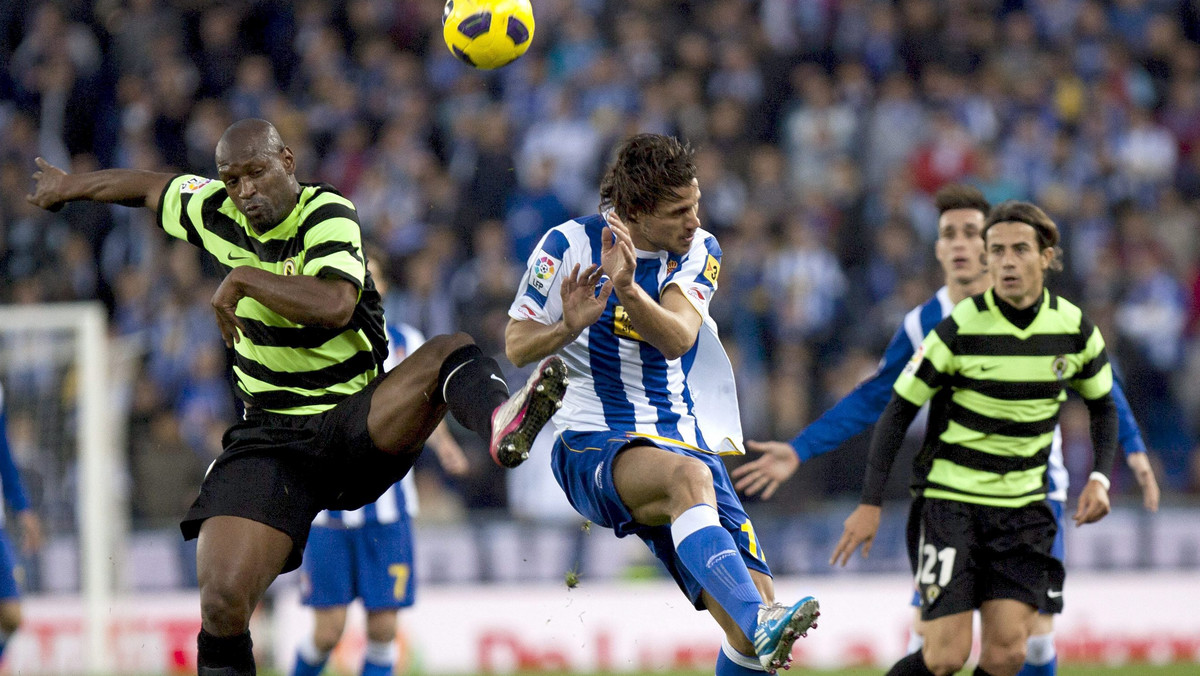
point(100, 512)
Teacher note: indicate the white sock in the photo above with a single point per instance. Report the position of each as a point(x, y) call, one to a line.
point(1040, 650)
point(309, 652)
point(381, 652)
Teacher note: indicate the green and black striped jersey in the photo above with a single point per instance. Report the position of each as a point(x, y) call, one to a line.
point(282, 366)
point(996, 391)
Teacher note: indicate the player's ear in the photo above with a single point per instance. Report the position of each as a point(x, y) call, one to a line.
point(288, 159)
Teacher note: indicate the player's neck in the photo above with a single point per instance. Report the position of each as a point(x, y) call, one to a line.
point(962, 290)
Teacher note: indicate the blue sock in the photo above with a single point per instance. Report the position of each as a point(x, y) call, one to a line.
point(732, 663)
point(379, 659)
point(709, 553)
point(309, 660)
point(1041, 659)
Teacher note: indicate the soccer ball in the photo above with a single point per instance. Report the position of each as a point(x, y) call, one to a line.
point(487, 34)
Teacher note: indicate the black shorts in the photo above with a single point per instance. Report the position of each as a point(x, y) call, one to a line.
point(281, 470)
point(964, 554)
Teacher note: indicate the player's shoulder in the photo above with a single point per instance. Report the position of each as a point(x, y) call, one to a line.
point(705, 243)
point(324, 200)
point(572, 234)
point(183, 186)
point(1070, 313)
point(971, 309)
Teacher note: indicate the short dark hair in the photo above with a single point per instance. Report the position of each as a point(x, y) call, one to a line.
point(1033, 216)
point(649, 168)
point(960, 196)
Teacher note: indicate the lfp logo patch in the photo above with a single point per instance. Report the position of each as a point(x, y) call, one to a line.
point(194, 184)
point(544, 269)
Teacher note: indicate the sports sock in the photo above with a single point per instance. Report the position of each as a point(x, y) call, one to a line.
point(1041, 659)
point(225, 655)
point(730, 662)
point(380, 658)
point(309, 660)
point(472, 387)
point(912, 665)
point(979, 671)
point(711, 556)
point(915, 641)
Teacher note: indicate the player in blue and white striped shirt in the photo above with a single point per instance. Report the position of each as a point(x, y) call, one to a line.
point(959, 250)
point(367, 553)
point(652, 402)
point(12, 493)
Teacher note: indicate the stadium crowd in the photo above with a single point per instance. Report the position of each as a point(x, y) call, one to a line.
point(823, 128)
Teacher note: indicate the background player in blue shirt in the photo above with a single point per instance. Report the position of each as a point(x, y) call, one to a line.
point(31, 535)
point(367, 553)
point(959, 249)
point(638, 444)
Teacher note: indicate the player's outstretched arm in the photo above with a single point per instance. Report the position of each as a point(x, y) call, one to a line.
point(311, 301)
point(1143, 472)
point(527, 341)
point(54, 187)
point(858, 529)
point(765, 473)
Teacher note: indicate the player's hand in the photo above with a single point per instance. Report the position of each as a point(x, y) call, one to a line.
point(582, 306)
point(1144, 473)
point(764, 474)
point(449, 454)
point(31, 531)
point(49, 186)
point(858, 529)
point(224, 304)
point(1093, 503)
point(617, 253)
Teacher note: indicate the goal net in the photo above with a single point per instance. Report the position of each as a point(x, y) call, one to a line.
point(55, 368)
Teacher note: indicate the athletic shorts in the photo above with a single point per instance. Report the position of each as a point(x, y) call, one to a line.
point(10, 569)
point(964, 554)
point(582, 463)
point(1058, 551)
point(373, 562)
point(281, 470)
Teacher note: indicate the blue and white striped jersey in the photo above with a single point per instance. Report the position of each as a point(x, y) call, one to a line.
point(862, 407)
point(12, 491)
point(618, 381)
point(402, 495)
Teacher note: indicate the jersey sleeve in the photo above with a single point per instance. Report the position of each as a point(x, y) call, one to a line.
point(697, 274)
point(538, 296)
point(333, 244)
point(861, 408)
point(1094, 379)
point(1128, 432)
point(930, 366)
point(179, 209)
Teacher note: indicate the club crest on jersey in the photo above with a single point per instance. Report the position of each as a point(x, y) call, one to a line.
point(194, 184)
point(544, 269)
point(931, 593)
point(289, 266)
point(913, 364)
point(623, 325)
point(1059, 366)
point(671, 265)
point(712, 268)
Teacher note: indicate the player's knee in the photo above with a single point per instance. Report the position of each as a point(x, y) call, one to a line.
point(10, 617)
point(1003, 658)
point(943, 662)
point(692, 481)
point(325, 639)
point(224, 608)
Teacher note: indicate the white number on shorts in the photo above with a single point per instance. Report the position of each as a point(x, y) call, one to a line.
point(943, 559)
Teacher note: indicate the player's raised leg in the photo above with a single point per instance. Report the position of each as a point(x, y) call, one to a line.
point(450, 373)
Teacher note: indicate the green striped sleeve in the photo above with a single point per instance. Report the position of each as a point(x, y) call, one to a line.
point(1094, 379)
point(333, 239)
point(180, 207)
point(922, 377)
